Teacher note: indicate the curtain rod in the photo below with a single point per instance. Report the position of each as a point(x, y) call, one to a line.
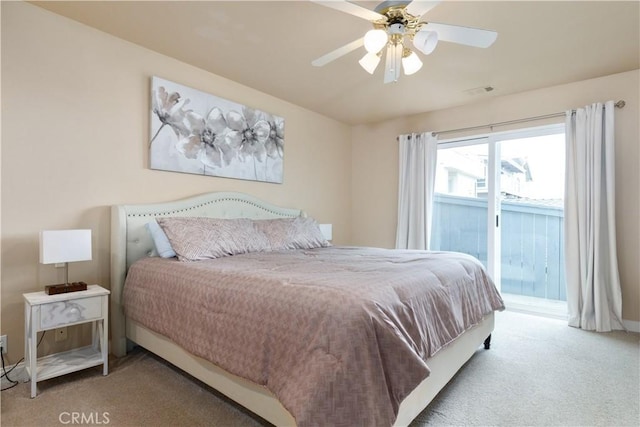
point(619, 104)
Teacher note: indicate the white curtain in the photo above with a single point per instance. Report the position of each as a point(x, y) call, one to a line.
point(593, 285)
point(418, 154)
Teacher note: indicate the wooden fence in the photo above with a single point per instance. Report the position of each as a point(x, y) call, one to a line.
point(532, 249)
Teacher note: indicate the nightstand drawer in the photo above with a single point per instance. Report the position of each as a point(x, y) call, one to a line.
point(62, 313)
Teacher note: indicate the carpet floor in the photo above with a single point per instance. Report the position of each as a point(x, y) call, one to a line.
point(538, 372)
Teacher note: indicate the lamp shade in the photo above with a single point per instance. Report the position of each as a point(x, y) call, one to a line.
point(369, 62)
point(425, 41)
point(411, 64)
point(375, 40)
point(58, 246)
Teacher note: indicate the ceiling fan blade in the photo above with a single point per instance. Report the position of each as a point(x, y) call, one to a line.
point(463, 35)
point(335, 54)
point(420, 7)
point(350, 8)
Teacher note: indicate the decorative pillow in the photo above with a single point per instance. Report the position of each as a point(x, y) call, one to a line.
point(292, 233)
point(160, 241)
point(197, 238)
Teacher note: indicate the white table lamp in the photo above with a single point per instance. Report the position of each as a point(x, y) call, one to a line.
point(64, 246)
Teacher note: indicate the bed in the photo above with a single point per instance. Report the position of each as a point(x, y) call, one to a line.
point(131, 242)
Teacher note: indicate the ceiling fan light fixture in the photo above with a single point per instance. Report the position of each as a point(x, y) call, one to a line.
point(396, 22)
point(375, 40)
point(411, 64)
point(370, 62)
point(425, 41)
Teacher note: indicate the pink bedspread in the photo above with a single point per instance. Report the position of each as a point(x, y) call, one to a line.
point(340, 335)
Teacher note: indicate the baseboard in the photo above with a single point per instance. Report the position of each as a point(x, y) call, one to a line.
point(631, 325)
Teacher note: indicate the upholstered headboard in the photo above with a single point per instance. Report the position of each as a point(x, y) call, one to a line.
point(131, 241)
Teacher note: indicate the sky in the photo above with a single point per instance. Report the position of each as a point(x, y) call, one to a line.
point(546, 158)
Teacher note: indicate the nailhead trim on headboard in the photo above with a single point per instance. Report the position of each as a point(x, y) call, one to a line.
point(150, 214)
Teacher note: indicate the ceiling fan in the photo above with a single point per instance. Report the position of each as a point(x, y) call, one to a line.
point(395, 24)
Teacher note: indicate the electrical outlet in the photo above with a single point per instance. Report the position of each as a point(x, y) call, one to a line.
point(3, 343)
point(61, 334)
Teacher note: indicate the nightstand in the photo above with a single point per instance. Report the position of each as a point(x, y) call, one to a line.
point(43, 312)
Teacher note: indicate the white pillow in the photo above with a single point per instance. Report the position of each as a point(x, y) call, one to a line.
point(160, 240)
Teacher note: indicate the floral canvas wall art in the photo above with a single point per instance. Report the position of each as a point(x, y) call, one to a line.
point(196, 132)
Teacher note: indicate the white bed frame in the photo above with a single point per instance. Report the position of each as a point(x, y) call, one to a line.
point(130, 241)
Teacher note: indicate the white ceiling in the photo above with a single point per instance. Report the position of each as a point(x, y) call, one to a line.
point(269, 46)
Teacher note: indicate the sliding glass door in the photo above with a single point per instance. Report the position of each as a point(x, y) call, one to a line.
point(500, 198)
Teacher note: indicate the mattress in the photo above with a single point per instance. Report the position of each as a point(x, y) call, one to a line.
point(340, 335)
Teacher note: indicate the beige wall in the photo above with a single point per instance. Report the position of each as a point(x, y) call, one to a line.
point(375, 162)
point(75, 129)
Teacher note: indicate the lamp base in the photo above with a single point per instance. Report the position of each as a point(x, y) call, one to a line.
point(65, 287)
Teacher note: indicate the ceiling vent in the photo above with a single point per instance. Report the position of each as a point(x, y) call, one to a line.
point(479, 90)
